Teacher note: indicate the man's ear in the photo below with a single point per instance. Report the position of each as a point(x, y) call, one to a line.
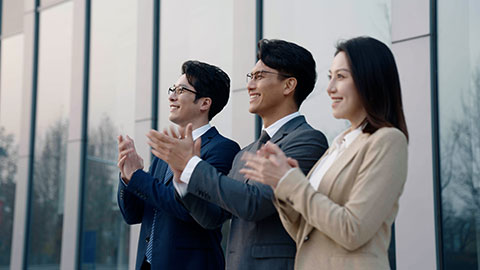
point(205, 103)
point(290, 85)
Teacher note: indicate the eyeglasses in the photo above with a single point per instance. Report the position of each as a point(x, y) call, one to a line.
point(258, 75)
point(179, 90)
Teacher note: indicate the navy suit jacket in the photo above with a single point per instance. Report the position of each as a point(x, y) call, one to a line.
point(179, 241)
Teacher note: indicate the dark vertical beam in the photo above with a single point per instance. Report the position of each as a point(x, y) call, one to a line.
point(437, 192)
point(84, 136)
point(155, 62)
point(259, 36)
point(31, 151)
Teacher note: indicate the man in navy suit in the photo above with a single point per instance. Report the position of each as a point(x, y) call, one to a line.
point(170, 238)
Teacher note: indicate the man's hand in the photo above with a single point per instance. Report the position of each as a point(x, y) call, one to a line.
point(268, 165)
point(128, 159)
point(175, 148)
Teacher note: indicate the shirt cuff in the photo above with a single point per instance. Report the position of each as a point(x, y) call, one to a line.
point(121, 180)
point(285, 175)
point(181, 188)
point(187, 172)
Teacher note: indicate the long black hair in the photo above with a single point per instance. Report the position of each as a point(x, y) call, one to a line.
point(375, 75)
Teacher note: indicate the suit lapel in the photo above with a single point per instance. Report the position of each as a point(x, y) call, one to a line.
point(207, 137)
point(287, 128)
point(330, 149)
point(332, 173)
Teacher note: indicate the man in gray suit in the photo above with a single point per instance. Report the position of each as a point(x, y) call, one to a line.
point(277, 85)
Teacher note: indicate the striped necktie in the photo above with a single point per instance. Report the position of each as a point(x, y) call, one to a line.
point(148, 253)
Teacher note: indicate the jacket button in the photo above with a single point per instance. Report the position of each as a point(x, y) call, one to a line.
point(306, 238)
point(289, 201)
point(147, 239)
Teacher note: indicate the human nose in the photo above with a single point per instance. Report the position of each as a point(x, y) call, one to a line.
point(172, 96)
point(331, 88)
point(251, 84)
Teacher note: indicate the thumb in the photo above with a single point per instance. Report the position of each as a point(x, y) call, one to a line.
point(197, 147)
point(188, 131)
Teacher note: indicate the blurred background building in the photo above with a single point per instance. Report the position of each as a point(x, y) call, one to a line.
point(75, 74)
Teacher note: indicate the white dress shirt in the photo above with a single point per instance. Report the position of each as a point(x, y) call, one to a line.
point(340, 144)
point(193, 162)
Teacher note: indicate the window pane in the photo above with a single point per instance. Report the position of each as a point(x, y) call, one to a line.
point(111, 112)
point(53, 99)
point(10, 113)
point(459, 112)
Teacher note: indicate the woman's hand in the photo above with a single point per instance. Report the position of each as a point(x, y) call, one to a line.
point(268, 166)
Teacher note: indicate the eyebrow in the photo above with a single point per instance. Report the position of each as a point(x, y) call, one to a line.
point(340, 69)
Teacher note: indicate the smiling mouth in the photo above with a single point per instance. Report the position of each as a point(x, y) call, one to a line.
point(254, 96)
point(174, 107)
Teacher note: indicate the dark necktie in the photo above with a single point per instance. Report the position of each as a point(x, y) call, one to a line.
point(263, 139)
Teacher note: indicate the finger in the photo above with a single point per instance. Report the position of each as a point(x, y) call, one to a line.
point(174, 132)
point(119, 138)
point(273, 149)
point(124, 153)
point(158, 137)
point(246, 156)
point(197, 147)
point(121, 162)
point(182, 131)
point(255, 163)
point(130, 139)
point(251, 174)
point(292, 162)
point(188, 131)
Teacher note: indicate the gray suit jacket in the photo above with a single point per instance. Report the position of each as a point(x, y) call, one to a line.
point(257, 238)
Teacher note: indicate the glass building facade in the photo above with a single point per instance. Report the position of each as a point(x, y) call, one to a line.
point(75, 74)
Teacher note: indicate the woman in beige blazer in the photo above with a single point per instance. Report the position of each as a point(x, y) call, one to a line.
point(341, 213)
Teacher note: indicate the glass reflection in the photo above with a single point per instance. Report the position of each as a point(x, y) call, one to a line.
point(10, 101)
point(459, 96)
point(105, 237)
point(53, 99)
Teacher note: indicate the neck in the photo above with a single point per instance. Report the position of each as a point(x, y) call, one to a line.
point(269, 119)
point(195, 123)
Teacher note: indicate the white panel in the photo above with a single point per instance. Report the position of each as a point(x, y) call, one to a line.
point(21, 190)
point(243, 130)
point(318, 26)
point(415, 227)
point(410, 18)
point(193, 30)
point(72, 205)
point(20, 215)
point(12, 17)
point(144, 65)
point(70, 244)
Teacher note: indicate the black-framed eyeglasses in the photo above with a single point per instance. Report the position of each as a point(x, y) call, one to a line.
point(179, 90)
point(258, 75)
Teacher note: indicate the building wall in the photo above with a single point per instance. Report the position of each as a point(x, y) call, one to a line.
point(224, 36)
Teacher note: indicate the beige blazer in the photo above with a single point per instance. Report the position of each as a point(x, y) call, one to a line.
point(345, 224)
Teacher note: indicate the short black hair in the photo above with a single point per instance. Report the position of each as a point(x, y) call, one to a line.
point(290, 59)
point(375, 75)
point(209, 81)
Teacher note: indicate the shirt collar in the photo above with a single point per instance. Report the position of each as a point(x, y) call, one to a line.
point(273, 128)
point(200, 131)
point(347, 138)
